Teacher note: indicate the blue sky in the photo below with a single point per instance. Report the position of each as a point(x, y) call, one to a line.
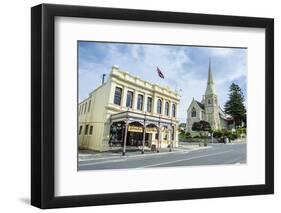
point(185, 67)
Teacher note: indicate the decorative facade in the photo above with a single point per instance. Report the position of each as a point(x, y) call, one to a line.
point(208, 109)
point(128, 111)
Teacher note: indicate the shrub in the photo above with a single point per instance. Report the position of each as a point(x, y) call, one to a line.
point(241, 131)
point(219, 134)
point(187, 135)
point(183, 136)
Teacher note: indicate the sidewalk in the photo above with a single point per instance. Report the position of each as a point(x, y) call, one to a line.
point(116, 152)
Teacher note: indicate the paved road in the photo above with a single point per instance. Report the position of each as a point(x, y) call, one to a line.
point(214, 155)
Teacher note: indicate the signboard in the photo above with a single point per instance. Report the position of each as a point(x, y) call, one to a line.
point(135, 128)
point(132, 128)
point(151, 130)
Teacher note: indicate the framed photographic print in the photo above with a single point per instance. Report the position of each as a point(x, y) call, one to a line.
point(141, 106)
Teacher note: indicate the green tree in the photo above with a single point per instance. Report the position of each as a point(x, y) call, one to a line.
point(235, 105)
point(201, 126)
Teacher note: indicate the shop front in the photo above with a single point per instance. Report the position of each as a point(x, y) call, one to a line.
point(142, 130)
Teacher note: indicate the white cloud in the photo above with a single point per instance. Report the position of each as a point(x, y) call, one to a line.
point(221, 51)
point(179, 65)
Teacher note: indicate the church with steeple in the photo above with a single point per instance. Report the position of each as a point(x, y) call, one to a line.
point(208, 108)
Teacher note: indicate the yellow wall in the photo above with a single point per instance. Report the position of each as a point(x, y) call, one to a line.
point(102, 106)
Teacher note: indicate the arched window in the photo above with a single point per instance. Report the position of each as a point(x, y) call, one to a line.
point(174, 110)
point(167, 108)
point(117, 96)
point(129, 101)
point(140, 102)
point(159, 106)
point(149, 104)
point(193, 112)
point(209, 101)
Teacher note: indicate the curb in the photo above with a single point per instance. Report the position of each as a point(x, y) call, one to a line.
point(144, 155)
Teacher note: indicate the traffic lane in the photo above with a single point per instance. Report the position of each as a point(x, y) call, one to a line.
point(217, 158)
point(199, 157)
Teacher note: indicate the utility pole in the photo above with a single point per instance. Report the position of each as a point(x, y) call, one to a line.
point(103, 77)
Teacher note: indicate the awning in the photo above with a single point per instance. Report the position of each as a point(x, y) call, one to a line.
point(142, 118)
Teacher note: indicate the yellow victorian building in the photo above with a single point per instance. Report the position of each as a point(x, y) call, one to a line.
point(128, 111)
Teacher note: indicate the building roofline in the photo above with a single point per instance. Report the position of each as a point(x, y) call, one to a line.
point(193, 100)
point(99, 87)
point(175, 93)
point(115, 67)
point(90, 93)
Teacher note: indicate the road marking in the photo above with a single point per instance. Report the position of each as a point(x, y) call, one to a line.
point(130, 156)
point(176, 161)
point(120, 158)
point(97, 163)
point(96, 158)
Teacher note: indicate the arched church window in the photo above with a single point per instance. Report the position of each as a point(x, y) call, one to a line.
point(209, 101)
point(193, 112)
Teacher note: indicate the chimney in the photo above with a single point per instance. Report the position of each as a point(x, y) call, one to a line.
point(103, 78)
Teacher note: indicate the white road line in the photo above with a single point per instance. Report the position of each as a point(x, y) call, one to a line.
point(99, 158)
point(124, 158)
point(136, 156)
point(175, 151)
point(176, 161)
point(97, 163)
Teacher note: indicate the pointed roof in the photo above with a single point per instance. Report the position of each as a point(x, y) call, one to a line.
point(210, 74)
point(202, 106)
point(210, 84)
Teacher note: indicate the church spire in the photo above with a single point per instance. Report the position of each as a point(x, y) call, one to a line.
point(210, 84)
point(210, 75)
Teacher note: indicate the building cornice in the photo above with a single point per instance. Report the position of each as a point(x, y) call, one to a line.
point(136, 81)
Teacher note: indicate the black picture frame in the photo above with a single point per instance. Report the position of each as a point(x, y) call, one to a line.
point(43, 105)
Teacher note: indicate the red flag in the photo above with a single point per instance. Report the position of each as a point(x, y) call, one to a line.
point(161, 75)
